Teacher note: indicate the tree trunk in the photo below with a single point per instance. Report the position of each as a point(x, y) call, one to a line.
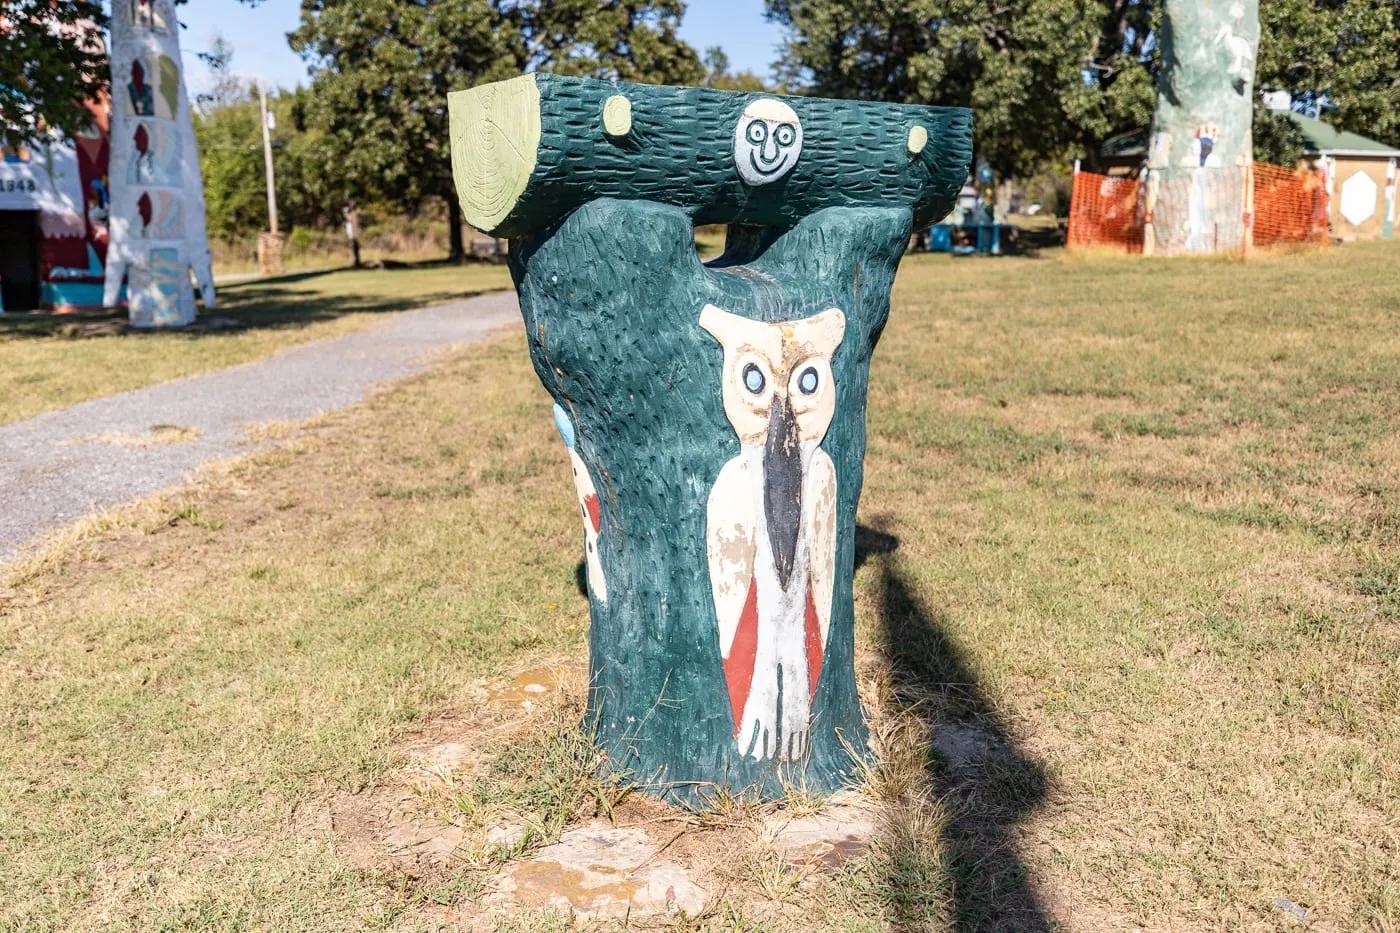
point(714, 415)
point(456, 250)
point(1200, 152)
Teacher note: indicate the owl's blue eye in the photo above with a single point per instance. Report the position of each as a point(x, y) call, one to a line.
point(807, 382)
point(753, 379)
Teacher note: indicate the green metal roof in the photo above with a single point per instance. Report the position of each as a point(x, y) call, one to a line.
point(1325, 138)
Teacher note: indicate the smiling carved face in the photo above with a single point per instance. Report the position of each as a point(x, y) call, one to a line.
point(767, 141)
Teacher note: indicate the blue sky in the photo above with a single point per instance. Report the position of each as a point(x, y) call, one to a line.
point(260, 47)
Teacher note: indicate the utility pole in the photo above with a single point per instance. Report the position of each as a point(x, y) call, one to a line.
point(267, 124)
point(269, 244)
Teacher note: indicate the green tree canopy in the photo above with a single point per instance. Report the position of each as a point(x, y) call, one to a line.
point(228, 131)
point(1043, 76)
point(382, 70)
point(52, 63)
point(229, 136)
point(1050, 79)
point(1340, 59)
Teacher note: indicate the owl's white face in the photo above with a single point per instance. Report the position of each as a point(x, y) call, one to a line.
point(767, 365)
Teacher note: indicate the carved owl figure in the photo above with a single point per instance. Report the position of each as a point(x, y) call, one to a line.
point(771, 524)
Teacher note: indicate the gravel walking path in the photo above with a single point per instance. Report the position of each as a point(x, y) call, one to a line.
point(60, 466)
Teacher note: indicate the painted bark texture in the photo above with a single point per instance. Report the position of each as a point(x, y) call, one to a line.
point(1201, 147)
point(527, 152)
point(715, 414)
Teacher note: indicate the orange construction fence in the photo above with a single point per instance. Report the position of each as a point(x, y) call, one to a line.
point(1290, 205)
point(1105, 211)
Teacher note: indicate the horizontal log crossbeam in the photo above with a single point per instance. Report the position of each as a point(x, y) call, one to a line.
point(529, 151)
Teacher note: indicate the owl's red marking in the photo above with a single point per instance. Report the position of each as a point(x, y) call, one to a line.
point(813, 631)
point(595, 514)
point(738, 667)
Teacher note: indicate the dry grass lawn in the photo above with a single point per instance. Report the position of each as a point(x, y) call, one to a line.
point(51, 361)
point(1129, 606)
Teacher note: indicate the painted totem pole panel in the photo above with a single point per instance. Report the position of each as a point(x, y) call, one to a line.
point(1201, 149)
point(714, 414)
point(156, 216)
point(94, 158)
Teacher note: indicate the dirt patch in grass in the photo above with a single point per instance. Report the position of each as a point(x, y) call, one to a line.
point(499, 801)
point(423, 820)
point(159, 435)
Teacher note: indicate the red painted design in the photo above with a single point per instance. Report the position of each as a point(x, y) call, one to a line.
point(69, 252)
point(93, 151)
point(595, 514)
point(738, 667)
point(145, 208)
point(813, 629)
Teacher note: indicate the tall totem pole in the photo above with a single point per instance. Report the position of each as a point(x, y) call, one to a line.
point(157, 194)
point(714, 414)
point(1199, 197)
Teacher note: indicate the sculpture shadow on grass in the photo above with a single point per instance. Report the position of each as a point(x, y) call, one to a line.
point(975, 773)
point(985, 785)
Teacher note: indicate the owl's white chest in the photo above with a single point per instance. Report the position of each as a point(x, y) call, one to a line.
point(777, 713)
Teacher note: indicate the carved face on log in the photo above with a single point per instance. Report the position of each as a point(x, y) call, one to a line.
point(767, 141)
point(771, 524)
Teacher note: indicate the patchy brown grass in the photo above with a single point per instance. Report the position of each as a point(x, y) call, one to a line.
point(1129, 601)
point(159, 435)
point(54, 360)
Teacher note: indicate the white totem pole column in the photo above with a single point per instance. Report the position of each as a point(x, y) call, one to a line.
point(157, 193)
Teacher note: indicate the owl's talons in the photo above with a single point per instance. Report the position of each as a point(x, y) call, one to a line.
point(797, 746)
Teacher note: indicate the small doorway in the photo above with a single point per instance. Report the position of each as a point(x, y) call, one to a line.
point(19, 260)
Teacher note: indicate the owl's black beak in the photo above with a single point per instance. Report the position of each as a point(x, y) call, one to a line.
point(782, 492)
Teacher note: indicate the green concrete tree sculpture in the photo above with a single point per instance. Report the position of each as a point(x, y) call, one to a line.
point(1198, 183)
point(714, 414)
